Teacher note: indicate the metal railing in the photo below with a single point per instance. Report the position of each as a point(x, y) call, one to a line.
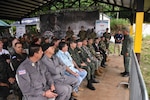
point(137, 86)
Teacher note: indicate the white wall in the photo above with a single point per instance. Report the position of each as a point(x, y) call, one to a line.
point(146, 29)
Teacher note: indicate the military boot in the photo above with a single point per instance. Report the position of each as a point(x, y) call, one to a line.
point(90, 85)
point(98, 73)
point(100, 70)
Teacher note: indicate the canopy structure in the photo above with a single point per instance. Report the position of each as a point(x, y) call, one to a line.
point(18, 9)
point(3, 24)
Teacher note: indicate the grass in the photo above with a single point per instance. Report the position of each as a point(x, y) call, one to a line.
point(145, 62)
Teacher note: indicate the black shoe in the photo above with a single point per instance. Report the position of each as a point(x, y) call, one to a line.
point(103, 66)
point(123, 73)
point(90, 85)
point(126, 74)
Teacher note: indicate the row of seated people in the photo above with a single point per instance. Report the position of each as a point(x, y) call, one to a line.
point(82, 60)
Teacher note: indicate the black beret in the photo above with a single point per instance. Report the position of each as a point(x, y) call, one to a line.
point(46, 46)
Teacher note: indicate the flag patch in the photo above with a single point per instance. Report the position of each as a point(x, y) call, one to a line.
point(22, 72)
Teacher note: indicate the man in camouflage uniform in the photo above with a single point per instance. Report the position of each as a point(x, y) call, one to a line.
point(69, 32)
point(82, 33)
point(103, 50)
point(126, 50)
point(87, 66)
point(96, 54)
point(91, 34)
point(107, 38)
point(91, 56)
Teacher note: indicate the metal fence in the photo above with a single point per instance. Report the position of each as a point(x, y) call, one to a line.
point(137, 86)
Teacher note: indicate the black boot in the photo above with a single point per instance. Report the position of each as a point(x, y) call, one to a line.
point(93, 80)
point(126, 74)
point(122, 73)
point(90, 85)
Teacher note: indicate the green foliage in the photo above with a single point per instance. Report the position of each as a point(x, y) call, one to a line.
point(145, 61)
point(117, 24)
point(8, 21)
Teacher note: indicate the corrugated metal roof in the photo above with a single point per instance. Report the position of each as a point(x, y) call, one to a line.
point(18, 9)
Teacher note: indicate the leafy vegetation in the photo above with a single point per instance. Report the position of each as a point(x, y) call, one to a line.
point(117, 24)
point(145, 61)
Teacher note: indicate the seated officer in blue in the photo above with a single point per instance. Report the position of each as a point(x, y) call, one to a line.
point(33, 77)
point(66, 58)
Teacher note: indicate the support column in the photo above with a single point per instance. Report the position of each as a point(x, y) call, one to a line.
point(139, 25)
point(132, 20)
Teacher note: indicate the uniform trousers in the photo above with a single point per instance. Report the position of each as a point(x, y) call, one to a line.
point(82, 75)
point(127, 60)
point(90, 68)
point(64, 92)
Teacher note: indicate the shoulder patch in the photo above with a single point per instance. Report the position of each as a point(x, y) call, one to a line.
point(22, 72)
point(13, 57)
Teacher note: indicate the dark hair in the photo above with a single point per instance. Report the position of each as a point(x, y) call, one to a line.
point(61, 45)
point(18, 43)
point(54, 40)
point(72, 41)
point(34, 48)
point(90, 38)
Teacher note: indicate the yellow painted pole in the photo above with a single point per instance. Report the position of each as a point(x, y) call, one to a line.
point(138, 32)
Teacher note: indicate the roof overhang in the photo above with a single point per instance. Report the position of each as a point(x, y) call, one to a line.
point(18, 9)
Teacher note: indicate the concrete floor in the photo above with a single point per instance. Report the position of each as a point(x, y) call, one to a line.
point(108, 88)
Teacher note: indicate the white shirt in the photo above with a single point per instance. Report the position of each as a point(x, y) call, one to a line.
point(4, 51)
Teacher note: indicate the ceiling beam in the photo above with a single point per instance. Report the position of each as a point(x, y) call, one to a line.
point(16, 16)
point(10, 11)
point(23, 3)
point(12, 8)
point(115, 2)
point(108, 1)
point(9, 18)
point(122, 3)
point(31, 2)
point(10, 14)
point(39, 1)
point(131, 3)
point(15, 5)
point(40, 7)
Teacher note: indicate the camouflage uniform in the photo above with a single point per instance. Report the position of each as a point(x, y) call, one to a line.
point(69, 34)
point(82, 34)
point(102, 45)
point(98, 56)
point(127, 48)
point(77, 58)
point(107, 38)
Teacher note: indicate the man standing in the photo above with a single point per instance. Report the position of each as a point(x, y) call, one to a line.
point(69, 33)
point(33, 78)
point(107, 36)
point(126, 51)
point(118, 41)
point(82, 33)
point(57, 69)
